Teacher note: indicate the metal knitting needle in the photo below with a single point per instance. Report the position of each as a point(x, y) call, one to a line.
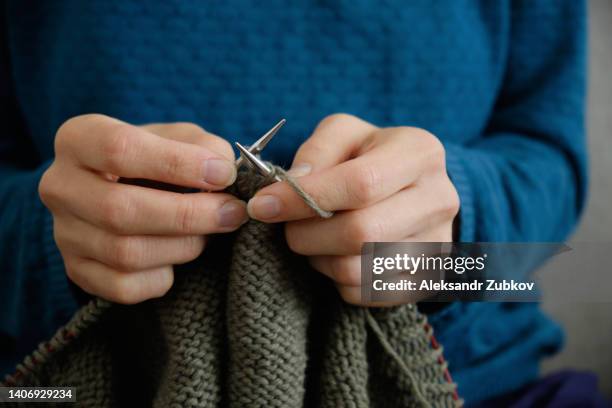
point(261, 143)
point(253, 160)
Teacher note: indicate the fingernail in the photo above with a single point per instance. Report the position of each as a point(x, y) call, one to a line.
point(300, 170)
point(233, 214)
point(264, 207)
point(219, 172)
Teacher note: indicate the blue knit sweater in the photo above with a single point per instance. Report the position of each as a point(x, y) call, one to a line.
point(501, 83)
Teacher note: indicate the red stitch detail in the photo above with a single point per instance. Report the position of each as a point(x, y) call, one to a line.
point(68, 335)
point(435, 345)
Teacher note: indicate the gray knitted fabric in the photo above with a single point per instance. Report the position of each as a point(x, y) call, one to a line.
point(250, 325)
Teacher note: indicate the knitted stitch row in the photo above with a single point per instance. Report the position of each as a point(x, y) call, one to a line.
point(248, 326)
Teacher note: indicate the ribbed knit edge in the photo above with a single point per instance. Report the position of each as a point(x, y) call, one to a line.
point(455, 168)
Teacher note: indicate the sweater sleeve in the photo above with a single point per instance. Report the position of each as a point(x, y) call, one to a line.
point(35, 297)
point(525, 178)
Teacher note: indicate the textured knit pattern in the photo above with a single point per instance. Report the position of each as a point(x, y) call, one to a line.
point(245, 341)
point(500, 82)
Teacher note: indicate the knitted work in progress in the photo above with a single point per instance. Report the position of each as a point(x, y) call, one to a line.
point(249, 326)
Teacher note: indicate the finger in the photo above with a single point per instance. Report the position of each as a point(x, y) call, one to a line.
point(353, 296)
point(191, 133)
point(134, 210)
point(184, 132)
point(122, 287)
point(440, 233)
point(131, 152)
point(353, 184)
point(393, 219)
point(335, 139)
point(126, 252)
point(344, 270)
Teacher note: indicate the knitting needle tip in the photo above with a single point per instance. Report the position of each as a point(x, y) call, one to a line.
point(261, 143)
point(253, 160)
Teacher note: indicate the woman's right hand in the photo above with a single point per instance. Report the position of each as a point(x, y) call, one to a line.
point(120, 241)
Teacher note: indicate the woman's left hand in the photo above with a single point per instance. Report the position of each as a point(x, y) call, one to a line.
point(385, 184)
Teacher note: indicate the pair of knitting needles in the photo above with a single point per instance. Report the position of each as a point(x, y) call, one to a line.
point(249, 155)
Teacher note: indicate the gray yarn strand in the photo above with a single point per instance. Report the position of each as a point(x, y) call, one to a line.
point(283, 175)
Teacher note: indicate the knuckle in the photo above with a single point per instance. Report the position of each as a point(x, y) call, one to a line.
point(67, 132)
point(217, 145)
point(62, 137)
point(451, 202)
point(224, 148)
point(131, 289)
point(199, 136)
point(46, 187)
point(438, 153)
point(71, 270)
point(344, 272)
point(336, 118)
point(311, 149)
point(185, 216)
point(72, 130)
point(125, 253)
point(365, 186)
point(362, 230)
point(293, 238)
point(189, 128)
point(174, 165)
point(69, 126)
point(194, 246)
point(115, 210)
point(124, 290)
point(348, 295)
point(115, 148)
point(74, 272)
point(162, 283)
point(61, 236)
point(434, 152)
